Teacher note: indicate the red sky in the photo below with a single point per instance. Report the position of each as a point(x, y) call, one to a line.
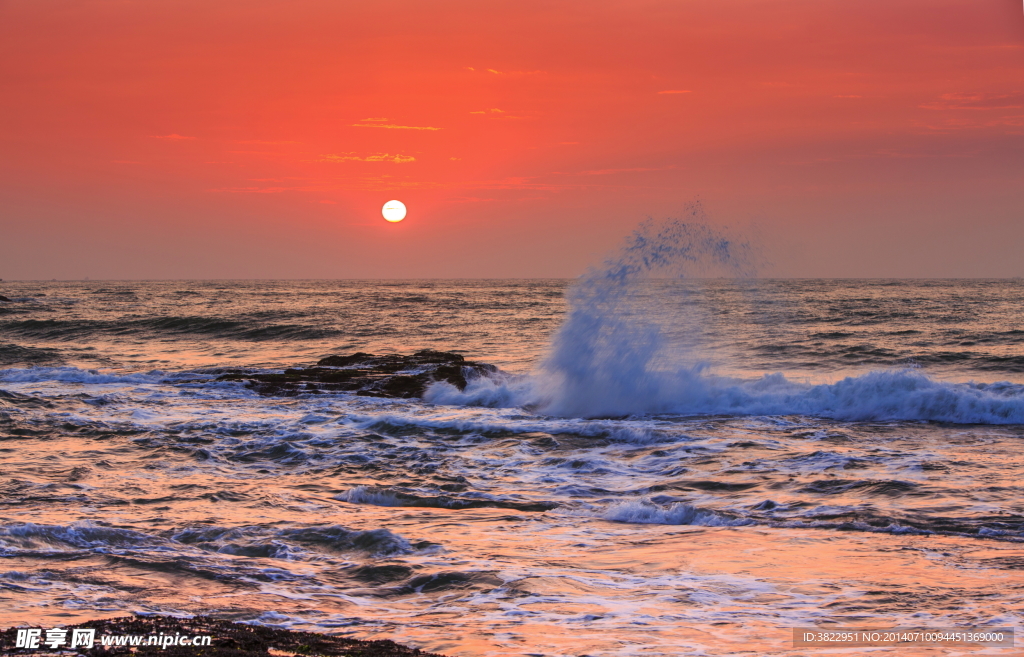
point(259, 139)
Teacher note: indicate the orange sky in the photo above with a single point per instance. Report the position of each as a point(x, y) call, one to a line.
point(258, 139)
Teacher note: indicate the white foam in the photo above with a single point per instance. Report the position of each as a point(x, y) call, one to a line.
point(370, 495)
point(497, 391)
point(490, 422)
point(643, 511)
point(902, 394)
point(76, 375)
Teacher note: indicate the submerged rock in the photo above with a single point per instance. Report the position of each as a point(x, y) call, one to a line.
point(390, 375)
point(227, 640)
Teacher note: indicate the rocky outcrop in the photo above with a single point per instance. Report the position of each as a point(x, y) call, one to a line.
point(227, 640)
point(390, 375)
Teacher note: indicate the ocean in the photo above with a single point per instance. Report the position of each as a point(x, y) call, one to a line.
point(654, 465)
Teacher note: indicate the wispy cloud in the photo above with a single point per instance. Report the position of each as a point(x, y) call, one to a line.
point(494, 71)
point(392, 126)
point(676, 91)
point(398, 158)
point(493, 110)
point(976, 101)
point(172, 137)
point(375, 119)
point(260, 141)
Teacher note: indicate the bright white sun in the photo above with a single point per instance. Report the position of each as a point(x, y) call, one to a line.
point(393, 211)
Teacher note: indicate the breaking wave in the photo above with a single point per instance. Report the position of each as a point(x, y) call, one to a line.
point(76, 375)
point(611, 357)
point(906, 394)
point(646, 512)
point(290, 543)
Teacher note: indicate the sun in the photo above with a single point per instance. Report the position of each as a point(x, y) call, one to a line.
point(393, 211)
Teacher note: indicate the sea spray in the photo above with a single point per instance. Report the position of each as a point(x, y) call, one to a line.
point(615, 355)
point(610, 356)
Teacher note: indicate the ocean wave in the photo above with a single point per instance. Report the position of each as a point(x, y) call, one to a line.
point(76, 375)
point(498, 390)
point(31, 538)
point(13, 354)
point(507, 424)
point(388, 497)
point(288, 543)
point(645, 511)
point(902, 394)
point(655, 511)
point(612, 357)
point(208, 327)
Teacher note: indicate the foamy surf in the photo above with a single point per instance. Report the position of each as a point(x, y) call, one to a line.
point(907, 394)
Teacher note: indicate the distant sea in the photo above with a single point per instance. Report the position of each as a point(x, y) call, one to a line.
point(657, 467)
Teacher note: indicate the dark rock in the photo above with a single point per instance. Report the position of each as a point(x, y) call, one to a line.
point(3, 298)
point(228, 640)
point(390, 375)
point(345, 361)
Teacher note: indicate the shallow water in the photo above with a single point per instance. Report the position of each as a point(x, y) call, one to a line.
point(875, 482)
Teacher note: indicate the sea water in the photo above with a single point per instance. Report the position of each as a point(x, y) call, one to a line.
point(663, 465)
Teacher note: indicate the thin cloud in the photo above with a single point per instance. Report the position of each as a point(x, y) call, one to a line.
point(374, 120)
point(976, 101)
point(260, 141)
point(495, 71)
point(1008, 120)
point(495, 113)
point(391, 126)
point(676, 91)
point(398, 158)
point(172, 137)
